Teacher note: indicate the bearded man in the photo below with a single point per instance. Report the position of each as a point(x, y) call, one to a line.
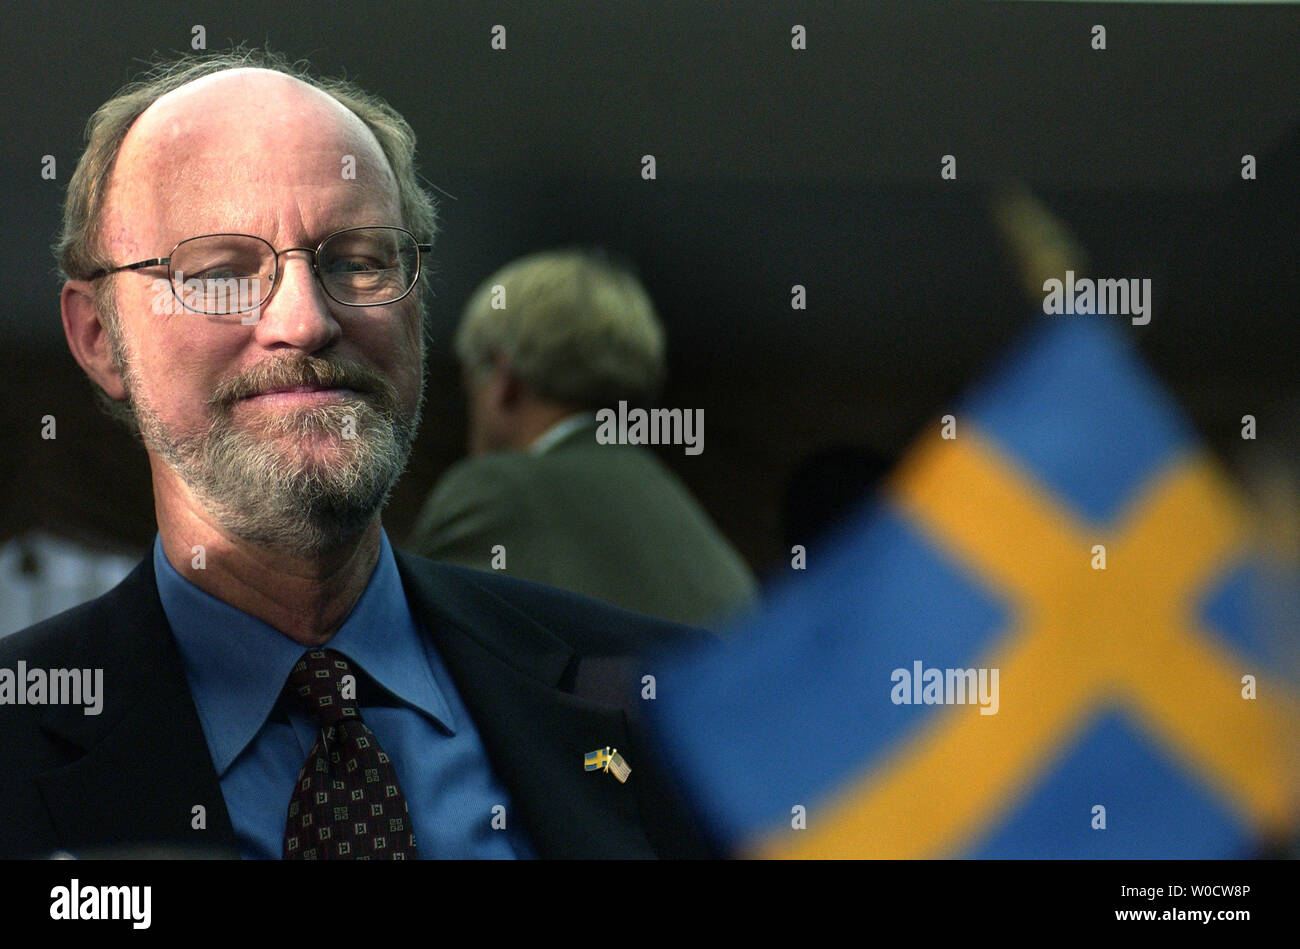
point(242, 247)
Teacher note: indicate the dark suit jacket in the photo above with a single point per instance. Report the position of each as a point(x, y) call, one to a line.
point(546, 675)
point(607, 521)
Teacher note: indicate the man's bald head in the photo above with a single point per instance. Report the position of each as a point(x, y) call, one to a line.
point(195, 161)
point(197, 80)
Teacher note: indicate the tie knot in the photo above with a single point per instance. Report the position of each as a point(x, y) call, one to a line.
point(326, 686)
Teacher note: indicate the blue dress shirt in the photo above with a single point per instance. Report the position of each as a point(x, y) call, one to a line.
point(236, 667)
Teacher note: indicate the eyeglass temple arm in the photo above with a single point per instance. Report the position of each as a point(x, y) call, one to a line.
point(138, 265)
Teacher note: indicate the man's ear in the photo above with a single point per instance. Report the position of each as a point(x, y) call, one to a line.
point(88, 337)
point(508, 388)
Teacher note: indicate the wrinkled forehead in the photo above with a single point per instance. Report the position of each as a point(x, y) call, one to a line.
point(248, 150)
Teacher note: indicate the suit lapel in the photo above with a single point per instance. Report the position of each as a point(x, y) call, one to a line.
point(510, 670)
point(146, 764)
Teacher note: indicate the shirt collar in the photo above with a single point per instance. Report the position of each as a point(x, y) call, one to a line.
point(560, 431)
point(236, 665)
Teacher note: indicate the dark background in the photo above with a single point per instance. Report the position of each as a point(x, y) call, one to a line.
point(775, 167)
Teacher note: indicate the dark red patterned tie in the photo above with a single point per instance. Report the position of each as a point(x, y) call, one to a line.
point(347, 804)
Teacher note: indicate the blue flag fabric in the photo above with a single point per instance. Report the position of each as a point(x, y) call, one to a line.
point(1042, 641)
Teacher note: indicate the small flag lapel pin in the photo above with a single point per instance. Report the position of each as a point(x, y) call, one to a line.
point(607, 759)
point(618, 767)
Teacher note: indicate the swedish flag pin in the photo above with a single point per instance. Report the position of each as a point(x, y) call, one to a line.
point(607, 759)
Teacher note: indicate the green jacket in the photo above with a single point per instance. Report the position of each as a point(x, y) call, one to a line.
point(609, 521)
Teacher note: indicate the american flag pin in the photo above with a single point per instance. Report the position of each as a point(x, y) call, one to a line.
point(618, 767)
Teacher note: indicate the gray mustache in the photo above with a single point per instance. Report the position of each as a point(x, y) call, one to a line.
point(307, 371)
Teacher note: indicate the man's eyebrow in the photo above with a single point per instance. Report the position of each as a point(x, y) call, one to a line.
point(384, 212)
point(379, 205)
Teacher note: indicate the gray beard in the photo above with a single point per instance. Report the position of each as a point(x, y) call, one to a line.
point(254, 487)
point(251, 482)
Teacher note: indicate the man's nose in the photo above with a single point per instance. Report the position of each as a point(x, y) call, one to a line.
point(298, 312)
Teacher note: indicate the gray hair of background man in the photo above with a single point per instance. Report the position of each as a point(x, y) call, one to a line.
point(79, 248)
point(577, 328)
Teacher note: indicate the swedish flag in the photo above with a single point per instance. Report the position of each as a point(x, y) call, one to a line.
point(1086, 571)
point(596, 760)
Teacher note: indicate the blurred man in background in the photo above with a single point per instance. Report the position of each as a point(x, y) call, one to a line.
point(544, 343)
